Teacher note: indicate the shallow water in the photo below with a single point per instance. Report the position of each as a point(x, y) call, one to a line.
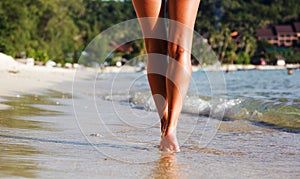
point(270, 98)
point(97, 135)
point(17, 159)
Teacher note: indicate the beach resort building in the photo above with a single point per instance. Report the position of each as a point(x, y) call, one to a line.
point(268, 35)
point(297, 28)
point(280, 35)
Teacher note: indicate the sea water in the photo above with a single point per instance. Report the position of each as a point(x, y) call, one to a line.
point(266, 97)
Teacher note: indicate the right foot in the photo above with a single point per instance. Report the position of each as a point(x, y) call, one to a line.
point(168, 143)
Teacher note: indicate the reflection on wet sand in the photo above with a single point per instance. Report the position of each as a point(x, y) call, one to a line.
point(22, 106)
point(16, 159)
point(167, 167)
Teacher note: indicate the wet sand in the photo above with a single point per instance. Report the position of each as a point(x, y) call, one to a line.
point(45, 133)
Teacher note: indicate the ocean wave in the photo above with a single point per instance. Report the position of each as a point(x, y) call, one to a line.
point(276, 113)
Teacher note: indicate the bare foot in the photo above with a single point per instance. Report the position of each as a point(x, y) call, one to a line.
point(168, 143)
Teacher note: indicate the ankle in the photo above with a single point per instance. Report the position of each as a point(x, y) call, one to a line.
point(170, 131)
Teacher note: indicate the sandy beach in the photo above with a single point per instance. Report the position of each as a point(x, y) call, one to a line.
point(17, 78)
point(48, 130)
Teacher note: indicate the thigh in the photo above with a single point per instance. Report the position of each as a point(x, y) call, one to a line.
point(183, 11)
point(149, 12)
point(151, 15)
point(182, 14)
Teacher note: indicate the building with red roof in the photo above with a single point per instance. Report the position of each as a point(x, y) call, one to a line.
point(268, 35)
point(280, 35)
point(297, 28)
point(285, 35)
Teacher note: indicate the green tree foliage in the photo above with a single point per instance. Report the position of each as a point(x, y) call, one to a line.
point(216, 17)
point(38, 27)
point(61, 29)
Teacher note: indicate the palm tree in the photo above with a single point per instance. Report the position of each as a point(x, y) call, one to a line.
point(248, 44)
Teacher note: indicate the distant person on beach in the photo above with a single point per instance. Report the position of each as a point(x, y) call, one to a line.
point(169, 61)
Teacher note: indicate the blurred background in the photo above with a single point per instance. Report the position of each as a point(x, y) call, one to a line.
point(239, 31)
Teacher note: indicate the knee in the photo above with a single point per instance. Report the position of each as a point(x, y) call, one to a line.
point(176, 51)
point(156, 46)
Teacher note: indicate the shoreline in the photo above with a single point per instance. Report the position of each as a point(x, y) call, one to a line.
point(27, 79)
point(19, 78)
point(224, 68)
point(258, 67)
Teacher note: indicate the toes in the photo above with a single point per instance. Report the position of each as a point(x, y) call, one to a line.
point(168, 144)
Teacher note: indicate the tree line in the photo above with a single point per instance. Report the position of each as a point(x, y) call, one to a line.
point(61, 29)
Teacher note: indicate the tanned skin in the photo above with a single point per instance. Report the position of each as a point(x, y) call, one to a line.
point(172, 57)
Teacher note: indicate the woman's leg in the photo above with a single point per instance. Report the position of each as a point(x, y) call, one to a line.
point(154, 31)
point(183, 15)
